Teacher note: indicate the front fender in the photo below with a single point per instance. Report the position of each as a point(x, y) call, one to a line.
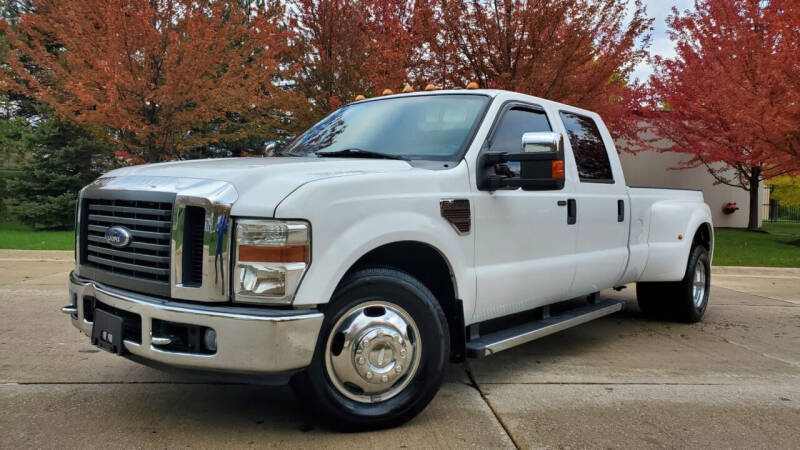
point(350, 217)
point(331, 263)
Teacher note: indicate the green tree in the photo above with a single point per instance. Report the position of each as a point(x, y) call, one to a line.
point(62, 158)
point(13, 137)
point(786, 190)
point(13, 134)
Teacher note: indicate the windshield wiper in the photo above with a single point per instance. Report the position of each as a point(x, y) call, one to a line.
point(359, 153)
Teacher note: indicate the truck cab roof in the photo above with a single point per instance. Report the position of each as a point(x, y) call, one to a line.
point(493, 93)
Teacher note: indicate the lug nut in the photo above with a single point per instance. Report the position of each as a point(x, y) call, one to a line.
point(369, 375)
point(398, 368)
point(361, 360)
point(384, 378)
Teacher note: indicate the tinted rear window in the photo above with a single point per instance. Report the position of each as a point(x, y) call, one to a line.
point(588, 148)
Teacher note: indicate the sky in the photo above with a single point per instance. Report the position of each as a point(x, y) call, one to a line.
point(660, 45)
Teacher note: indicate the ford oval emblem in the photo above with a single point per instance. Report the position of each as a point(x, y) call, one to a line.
point(118, 236)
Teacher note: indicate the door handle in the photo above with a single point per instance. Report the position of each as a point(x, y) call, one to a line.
point(620, 210)
point(572, 211)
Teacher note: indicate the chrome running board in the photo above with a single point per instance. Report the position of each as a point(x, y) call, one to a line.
point(511, 337)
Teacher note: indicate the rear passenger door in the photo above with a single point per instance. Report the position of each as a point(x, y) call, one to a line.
point(602, 207)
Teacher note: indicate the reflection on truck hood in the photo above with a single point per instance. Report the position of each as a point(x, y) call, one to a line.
point(266, 181)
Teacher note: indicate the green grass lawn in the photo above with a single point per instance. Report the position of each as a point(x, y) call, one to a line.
point(18, 236)
point(736, 247)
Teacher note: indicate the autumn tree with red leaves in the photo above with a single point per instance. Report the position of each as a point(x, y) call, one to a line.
point(731, 98)
point(578, 52)
point(342, 48)
point(156, 77)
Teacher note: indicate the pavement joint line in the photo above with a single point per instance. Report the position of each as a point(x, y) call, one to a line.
point(737, 275)
point(100, 383)
point(791, 302)
point(177, 383)
point(474, 384)
point(792, 305)
point(766, 355)
point(600, 383)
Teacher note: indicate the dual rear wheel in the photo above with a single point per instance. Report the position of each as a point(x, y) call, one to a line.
point(683, 301)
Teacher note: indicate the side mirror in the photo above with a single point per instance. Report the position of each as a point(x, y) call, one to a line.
point(270, 147)
point(542, 143)
point(541, 160)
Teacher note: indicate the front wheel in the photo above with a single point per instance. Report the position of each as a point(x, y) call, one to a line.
point(684, 300)
point(381, 352)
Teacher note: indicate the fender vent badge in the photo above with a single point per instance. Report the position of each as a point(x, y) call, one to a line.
point(457, 212)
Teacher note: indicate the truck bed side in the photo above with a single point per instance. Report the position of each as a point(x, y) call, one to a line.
point(663, 225)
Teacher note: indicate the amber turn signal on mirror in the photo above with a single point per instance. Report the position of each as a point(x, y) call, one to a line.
point(557, 169)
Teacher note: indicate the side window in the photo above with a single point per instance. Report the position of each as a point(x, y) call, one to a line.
point(587, 145)
point(514, 123)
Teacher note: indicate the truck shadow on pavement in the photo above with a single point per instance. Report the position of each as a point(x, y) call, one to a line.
point(199, 407)
point(196, 403)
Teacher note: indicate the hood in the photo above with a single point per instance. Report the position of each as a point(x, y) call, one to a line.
point(262, 183)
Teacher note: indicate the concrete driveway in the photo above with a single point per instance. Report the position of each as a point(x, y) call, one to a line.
point(622, 381)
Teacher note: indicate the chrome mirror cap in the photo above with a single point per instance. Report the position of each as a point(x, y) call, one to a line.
point(542, 142)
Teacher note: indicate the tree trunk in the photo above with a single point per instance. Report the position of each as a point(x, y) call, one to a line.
point(755, 175)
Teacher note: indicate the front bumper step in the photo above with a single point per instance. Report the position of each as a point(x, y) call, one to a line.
point(248, 339)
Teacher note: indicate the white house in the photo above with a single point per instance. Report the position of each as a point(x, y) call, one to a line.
point(651, 168)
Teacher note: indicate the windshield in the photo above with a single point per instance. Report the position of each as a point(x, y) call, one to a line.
point(429, 127)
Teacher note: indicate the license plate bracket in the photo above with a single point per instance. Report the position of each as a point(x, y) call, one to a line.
point(107, 332)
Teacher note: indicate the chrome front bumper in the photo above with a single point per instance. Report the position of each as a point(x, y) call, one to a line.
point(249, 340)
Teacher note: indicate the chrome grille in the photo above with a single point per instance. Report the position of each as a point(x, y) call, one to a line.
point(147, 257)
point(177, 234)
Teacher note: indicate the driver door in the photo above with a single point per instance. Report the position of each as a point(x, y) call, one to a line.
point(524, 246)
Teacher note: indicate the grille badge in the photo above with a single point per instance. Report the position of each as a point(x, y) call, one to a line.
point(118, 236)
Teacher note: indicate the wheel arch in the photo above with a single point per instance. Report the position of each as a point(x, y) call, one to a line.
point(705, 236)
point(431, 267)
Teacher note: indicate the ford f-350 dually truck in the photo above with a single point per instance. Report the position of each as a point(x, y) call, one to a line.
point(398, 233)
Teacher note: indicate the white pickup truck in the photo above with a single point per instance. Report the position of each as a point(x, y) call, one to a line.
point(396, 234)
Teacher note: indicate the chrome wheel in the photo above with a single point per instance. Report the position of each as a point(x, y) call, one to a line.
point(699, 284)
point(372, 352)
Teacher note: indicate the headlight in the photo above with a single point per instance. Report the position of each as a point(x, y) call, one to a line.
point(271, 258)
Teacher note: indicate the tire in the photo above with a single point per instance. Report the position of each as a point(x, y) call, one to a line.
point(351, 348)
point(683, 301)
